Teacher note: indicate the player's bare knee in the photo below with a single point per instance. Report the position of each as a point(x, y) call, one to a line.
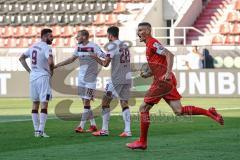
point(177, 111)
point(145, 107)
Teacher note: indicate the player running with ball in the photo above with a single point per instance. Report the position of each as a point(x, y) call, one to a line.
point(160, 61)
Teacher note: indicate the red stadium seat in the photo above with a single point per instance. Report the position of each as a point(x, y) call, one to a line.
point(102, 32)
point(232, 17)
point(31, 31)
point(237, 5)
point(112, 20)
point(236, 29)
point(8, 32)
point(225, 29)
point(56, 31)
point(217, 40)
point(100, 19)
point(19, 32)
point(67, 31)
point(230, 40)
point(121, 8)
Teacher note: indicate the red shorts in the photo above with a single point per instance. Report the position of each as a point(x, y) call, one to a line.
point(162, 89)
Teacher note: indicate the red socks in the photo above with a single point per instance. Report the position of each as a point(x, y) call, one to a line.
point(192, 110)
point(145, 122)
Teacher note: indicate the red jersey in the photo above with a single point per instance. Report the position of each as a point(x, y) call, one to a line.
point(156, 61)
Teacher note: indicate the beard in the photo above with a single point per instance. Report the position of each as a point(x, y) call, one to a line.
point(49, 42)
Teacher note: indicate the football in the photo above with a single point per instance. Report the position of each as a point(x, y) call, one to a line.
point(145, 71)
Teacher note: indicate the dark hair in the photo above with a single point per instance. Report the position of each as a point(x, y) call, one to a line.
point(84, 32)
point(45, 31)
point(145, 24)
point(114, 31)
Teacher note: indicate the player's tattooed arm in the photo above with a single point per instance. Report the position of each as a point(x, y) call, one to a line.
point(66, 62)
point(169, 57)
point(104, 62)
point(22, 59)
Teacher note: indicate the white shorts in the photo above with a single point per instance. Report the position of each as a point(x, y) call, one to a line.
point(86, 90)
point(121, 91)
point(40, 89)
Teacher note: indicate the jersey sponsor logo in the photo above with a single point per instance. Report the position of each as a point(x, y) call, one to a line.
point(85, 49)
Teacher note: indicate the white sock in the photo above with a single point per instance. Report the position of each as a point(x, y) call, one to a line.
point(91, 117)
point(127, 120)
point(43, 119)
point(105, 118)
point(35, 120)
point(84, 118)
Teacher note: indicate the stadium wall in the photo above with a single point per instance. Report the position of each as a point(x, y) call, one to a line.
point(155, 17)
point(187, 19)
point(223, 81)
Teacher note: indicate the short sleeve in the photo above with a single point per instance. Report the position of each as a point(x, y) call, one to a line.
point(75, 52)
point(27, 53)
point(98, 51)
point(48, 52)
point(157, 48)
point(111, 50)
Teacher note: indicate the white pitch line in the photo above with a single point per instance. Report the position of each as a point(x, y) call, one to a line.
point(114, 114)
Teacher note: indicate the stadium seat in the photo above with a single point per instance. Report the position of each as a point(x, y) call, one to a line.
point(236, 29)
point(237, 40)
point(71, 8)
point(62, 19)
point(225, 29)
point(8, 32)
point(108, 8)
point(75, 19)
point(87, 19)
point(40, 20)
point(229, 40)
point(14, 20)
point(3, 9)
point(19, 32)
point(49, 8)
point(59, 8)
point(31, 31)
point(56, 31)
point(121, 8)
point(85, 8)
point(100, 19)
point(97, 8)
point(35, 7)
point(112, 20)
point(51, 20)
point(4, 20)
point(232, 17)
point(237, 5)
point(67, 31)
point(217, 40)
point(101, 32)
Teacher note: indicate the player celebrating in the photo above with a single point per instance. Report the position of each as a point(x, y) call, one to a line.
point(87, 77)
point(120, 83)
point(41, 71)
point(160, 61)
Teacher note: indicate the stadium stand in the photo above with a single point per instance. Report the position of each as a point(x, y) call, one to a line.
point(22, 20)
point(219, 21)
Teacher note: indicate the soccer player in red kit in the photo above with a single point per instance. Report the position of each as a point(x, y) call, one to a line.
point(160, 61)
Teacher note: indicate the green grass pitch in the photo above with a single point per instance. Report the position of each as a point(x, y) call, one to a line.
point(170, 138)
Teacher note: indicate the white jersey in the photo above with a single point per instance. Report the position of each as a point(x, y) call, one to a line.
point(89, 68)
point(120, 63)
point(39, 53)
